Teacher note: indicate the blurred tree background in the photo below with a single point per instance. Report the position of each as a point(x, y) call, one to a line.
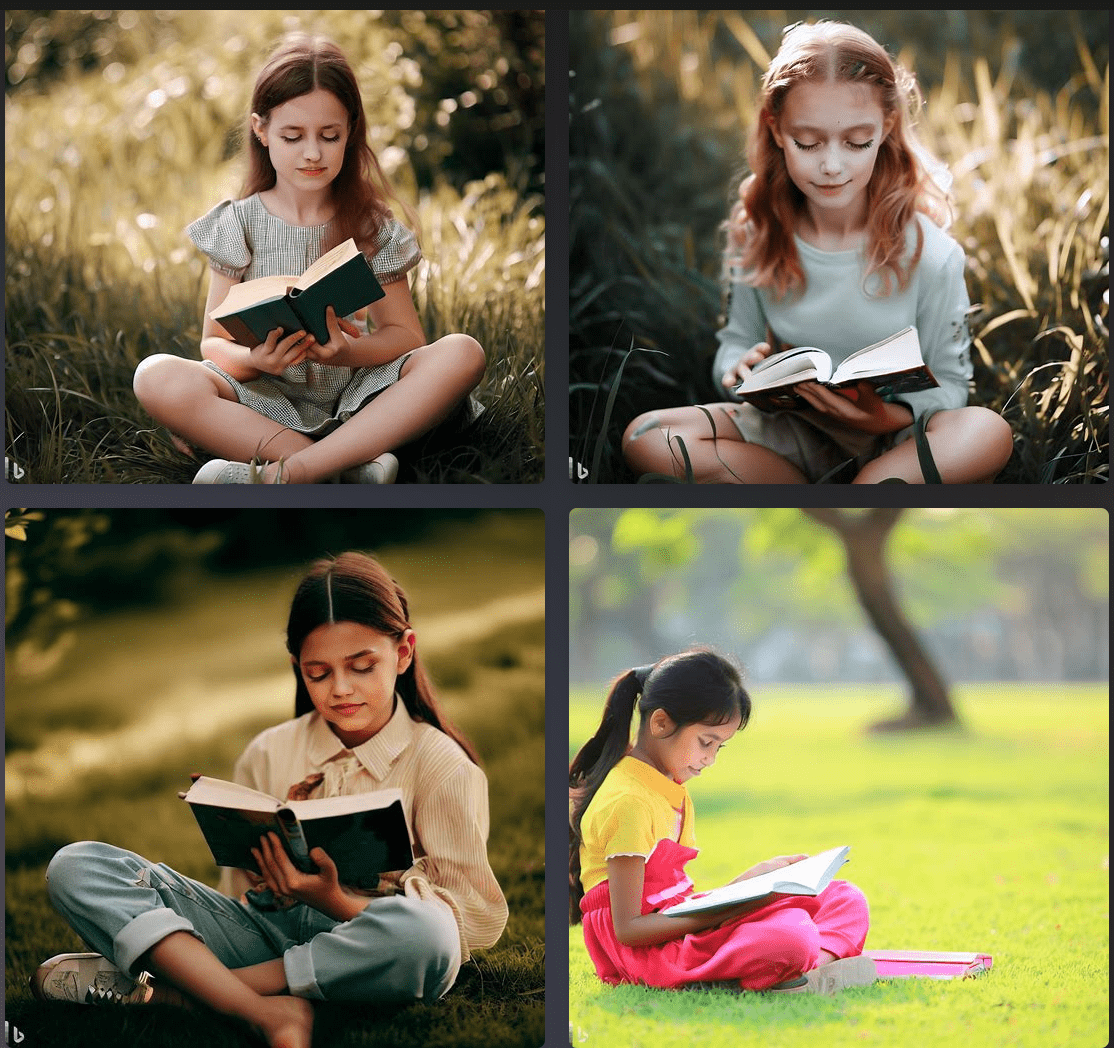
point(121, 127)
point(996, 595)
point(661, 106)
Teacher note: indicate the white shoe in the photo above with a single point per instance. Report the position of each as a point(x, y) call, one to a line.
point(837, 975)
point(88, 978)
point(221, 471)
point(381, 470)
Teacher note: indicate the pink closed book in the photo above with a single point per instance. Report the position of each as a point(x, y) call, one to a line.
point(897, 964)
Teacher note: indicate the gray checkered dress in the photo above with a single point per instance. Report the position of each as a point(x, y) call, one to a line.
point(243, 239)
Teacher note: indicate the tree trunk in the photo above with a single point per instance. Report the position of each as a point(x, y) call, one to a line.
point(864, 538)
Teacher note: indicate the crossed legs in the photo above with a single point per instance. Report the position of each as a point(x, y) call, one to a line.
point(970, 445)
point(197, 404)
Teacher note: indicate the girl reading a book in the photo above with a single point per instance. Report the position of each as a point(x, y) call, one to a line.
point(631, 834)
point(367, 720)
point(309, 411)
point(836, 241)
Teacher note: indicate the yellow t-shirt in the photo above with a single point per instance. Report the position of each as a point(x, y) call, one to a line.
point(635, 807)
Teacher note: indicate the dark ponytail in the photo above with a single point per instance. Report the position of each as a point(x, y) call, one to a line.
point(695, 686)
point(355, 587)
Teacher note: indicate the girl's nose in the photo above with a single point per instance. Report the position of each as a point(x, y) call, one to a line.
point(341, 684)
point(829, 160)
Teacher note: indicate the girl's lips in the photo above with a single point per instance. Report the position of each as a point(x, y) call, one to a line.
point(350, 708)
point(312, 170)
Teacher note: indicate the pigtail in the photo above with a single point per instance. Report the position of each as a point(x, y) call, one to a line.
point(591, 765)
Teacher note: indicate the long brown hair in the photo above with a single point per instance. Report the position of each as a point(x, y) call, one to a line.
point(698, 686)
point(355, 587)
point(361, 190)
point(763, 219)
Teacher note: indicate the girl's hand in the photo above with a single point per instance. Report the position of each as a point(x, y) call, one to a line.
point(768, 866)
point(859, 407)
point(278, 352)
point(320, 890)
point(738, 373)
point(339, 332)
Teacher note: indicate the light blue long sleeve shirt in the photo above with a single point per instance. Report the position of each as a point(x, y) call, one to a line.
point(838, 314)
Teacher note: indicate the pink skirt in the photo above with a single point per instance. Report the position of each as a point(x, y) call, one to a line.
point(778, 942)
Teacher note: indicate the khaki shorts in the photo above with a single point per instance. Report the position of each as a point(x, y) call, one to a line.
point(816, 445)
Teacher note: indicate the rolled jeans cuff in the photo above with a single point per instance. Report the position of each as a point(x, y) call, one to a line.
point(140, 934)
point(301, 980)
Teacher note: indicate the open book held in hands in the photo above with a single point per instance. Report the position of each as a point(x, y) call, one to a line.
point(341, 278)
point(365, 834)
point(808, 877)
point(892, 366)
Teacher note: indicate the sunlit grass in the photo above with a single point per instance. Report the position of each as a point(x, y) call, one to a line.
point(993, 840)
point(1031, 195)
point(104, 172)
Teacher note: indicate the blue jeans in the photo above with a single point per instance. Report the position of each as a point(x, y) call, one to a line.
point(396, 949)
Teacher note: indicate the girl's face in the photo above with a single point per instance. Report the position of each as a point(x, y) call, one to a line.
point(683, 753)
point(305, 137)
point(830, 134)
point(350, 672)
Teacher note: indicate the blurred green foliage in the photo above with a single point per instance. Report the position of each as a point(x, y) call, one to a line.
point(461, 91)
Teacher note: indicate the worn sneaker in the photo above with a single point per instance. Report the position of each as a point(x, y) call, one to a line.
point(89, 978)
point(221, 471)
point(830, 978)
point(381, 470)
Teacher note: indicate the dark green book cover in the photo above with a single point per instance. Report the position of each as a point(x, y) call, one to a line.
point(341, 278)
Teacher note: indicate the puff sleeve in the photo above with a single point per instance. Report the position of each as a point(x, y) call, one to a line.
point(222, 235)
point(396, 252)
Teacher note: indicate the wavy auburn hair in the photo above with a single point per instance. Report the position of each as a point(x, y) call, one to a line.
point(361, 190)
point(355, 587)
point(759, 231)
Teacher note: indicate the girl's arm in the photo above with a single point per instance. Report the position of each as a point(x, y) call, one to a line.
point(625, 877)
point(397, 331)
point(280, 350)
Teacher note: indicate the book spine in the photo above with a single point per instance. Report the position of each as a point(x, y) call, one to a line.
point(296, 840)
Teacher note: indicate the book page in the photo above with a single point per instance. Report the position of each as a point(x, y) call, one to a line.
point(224, 794)
point(324, 807)
point(327, 262)
point(899, 352)
point(249, 292)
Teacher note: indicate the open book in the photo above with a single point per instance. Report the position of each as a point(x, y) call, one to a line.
point(365, 834)
point(808, 877)
point(341, 278)
point(892, 366)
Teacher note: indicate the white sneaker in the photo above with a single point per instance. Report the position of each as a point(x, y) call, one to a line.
point(88, 978)
point(837, 975)
point(381, 470)
point(221, 471)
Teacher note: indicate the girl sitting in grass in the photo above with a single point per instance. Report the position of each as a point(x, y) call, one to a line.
point(367, 720)
point(309, 412)
point(632, 834)
point(837, 241)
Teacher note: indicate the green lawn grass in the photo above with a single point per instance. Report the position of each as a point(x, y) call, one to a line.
point(495, 691)
point(994, 839)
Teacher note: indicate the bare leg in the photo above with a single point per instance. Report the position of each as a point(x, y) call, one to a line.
point(189, 965)
point(433, 381)
point(197, 404)
point(716, 450)
point(970, 445)
point(825, 957)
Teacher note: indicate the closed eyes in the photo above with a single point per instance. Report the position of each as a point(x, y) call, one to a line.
point(816, 145)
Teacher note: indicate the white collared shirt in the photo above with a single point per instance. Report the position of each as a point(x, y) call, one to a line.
point(444, 793)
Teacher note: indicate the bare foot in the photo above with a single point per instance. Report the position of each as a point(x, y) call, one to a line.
point(287, 1022)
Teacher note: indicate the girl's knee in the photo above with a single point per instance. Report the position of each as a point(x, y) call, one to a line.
point(153, 375)
point(431, 952)
point(69, 868)
point(465, 356)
